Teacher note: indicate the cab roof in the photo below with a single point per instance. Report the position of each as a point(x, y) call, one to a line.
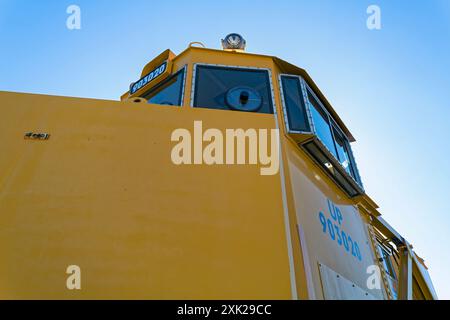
point(284, 66)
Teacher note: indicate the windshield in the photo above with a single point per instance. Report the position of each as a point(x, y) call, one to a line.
point(229, 88)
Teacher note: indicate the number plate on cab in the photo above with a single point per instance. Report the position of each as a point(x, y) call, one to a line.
point(148, 78)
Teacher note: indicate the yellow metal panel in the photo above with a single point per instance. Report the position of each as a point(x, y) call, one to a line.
point(102, 193)
point(310, 192)
point(337, 287)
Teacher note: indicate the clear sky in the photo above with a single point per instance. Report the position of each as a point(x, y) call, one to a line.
point(390, 86)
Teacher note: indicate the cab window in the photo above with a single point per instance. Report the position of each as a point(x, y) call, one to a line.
point(331, 135)
point(295, 104)
point(343, 153)
point(321, 124)
point(169, 92)
point(304, 113)
point(386, 260)
point(229, 88)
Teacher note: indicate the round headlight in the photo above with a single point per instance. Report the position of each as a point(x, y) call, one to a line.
point(243, 99)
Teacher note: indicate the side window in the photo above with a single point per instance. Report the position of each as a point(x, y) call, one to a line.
point(169, 92)
point(387, 264)
point(306, 115)
point(343, 152)
point(321, 124)
point(294, 104)
point(229, 88)
point(390, 270)
point(331, 135)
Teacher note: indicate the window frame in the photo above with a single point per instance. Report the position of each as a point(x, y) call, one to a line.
point(232, 67)
point(385, 255)
point(347, 147)
point(165, 81)
point(332, 123)
point(284, 107)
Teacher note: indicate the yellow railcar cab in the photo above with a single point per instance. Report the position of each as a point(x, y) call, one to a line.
point(220, 174)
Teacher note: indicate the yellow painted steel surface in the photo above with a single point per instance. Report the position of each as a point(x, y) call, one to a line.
point(312, 195)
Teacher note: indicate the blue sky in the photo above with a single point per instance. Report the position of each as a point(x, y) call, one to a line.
point(391, 86)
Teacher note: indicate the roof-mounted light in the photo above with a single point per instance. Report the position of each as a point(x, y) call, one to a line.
point(233, 42)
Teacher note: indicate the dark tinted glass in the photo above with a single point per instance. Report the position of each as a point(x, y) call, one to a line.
point(387, 262)
point(321, 123)
point(342, 151)
point(295, 104)
point(168, 92)
point(233, 89)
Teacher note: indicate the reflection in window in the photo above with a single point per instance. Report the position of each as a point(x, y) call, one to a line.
point(302, 116)
point(390, 270)
point(342, 152)
point(321, 123)
point(295, 105)
point(387, 264)
point(169, 92)
point(320, 157)
point(233, 89)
